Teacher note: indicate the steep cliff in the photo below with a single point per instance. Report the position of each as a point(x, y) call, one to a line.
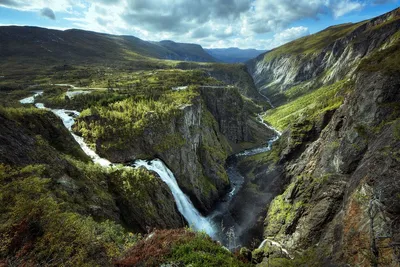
point(321, 58)
point(230, 74)
point(193, 139)
point(32, 138)
point(339, 158)
point(343, 191)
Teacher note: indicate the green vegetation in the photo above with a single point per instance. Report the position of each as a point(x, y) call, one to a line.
point(386, 60)
point(270, 158)
point(181, 247)
point(202, 251)
point(311, 257)
point(281, 212)
point(58, 209)
point(36, 227)
point(128, 118)
point(46, 128)
point(309, 106)
point(396, 130)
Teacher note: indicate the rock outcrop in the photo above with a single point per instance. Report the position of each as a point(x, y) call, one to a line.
point(196, 142)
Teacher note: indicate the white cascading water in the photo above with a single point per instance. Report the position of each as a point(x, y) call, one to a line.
point(185, 206)
point(31, 99)
point(67, 117)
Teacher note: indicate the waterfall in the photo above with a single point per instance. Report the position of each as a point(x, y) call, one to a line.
point(31, 99)
point(68, 119)
point(185, 206)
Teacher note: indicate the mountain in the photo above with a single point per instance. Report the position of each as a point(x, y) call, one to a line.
point(233, 54)
point(31, 44)
point(321, 58)
point(336, 98)
point(186, 52)
point(308, 177)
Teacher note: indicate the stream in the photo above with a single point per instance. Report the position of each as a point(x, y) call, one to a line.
point(220, 224)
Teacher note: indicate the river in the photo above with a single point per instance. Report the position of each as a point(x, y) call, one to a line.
point(221, 224)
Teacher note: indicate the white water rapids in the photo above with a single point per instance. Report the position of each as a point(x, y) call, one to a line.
point(262, 149)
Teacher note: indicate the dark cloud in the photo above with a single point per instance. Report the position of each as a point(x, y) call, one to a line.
point(182, 16)
point(9, 3)
point(200, 33)
point(48, 13)
point(102, 22)
point(273, 15)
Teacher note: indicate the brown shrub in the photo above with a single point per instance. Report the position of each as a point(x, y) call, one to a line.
point(151, 250)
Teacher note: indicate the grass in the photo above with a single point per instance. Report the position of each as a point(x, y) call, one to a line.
point(33, 222)
point(178, 247)
point(309, 106)
point(128, 118)
point(386, 60)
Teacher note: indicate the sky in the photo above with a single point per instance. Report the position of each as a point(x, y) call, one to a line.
point(260, 24)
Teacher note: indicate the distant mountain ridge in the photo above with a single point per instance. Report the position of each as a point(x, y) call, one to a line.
point(33, 43)
point(234, 54)
point(186, 51)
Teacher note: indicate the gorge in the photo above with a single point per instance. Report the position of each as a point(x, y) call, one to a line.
point(115, 151)
point(220, 217)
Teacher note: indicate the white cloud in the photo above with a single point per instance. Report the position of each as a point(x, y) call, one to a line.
point(290, 34)
point(343, 7)
point(36, 5)
point(278, 39)
point(208, 22)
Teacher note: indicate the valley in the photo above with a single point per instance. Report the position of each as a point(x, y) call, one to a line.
point(121, 152)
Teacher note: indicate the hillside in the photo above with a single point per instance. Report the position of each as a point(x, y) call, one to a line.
point(116, 151)
point(300, 66)
point(233, 54)
point(186, 52)
point(337, 104)
point(32, 55)
point(49, 178)
point(30, 44)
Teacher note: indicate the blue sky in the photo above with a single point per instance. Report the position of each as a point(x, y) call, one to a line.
point(261, 24)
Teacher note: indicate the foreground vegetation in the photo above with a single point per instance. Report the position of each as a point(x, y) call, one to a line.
point(60, 209)
point(180, 247)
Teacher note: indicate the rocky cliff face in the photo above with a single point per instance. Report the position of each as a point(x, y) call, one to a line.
point(230, 74)
point(197, 141)
point(321, 58)
point(235, 118)
point(342, 169)
point(344, 186)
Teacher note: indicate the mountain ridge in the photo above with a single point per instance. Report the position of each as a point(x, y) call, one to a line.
point(79, 45)
point(321, 58)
